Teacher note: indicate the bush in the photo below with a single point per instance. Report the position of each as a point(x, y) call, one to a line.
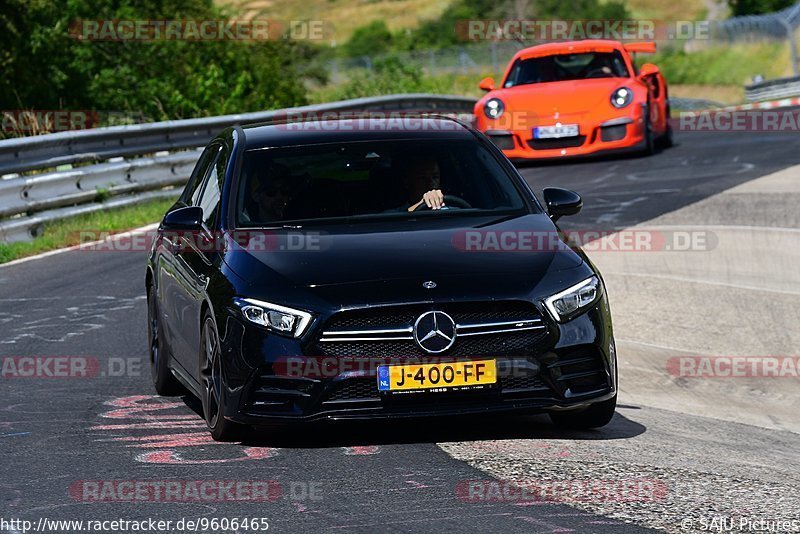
point(374, 38)
point(45, 68)
point(730, 65)
point(755, 7)
point(388, 76)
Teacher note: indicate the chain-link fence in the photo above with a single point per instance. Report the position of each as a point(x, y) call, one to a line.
point(471, 58)
point(492, 56)
point(778, 26)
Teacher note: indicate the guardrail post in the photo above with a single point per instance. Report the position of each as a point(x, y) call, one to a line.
point(792, 44)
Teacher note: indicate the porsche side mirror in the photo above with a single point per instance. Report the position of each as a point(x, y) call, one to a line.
point(561, 202)
point(487, 84)
point(188, 218)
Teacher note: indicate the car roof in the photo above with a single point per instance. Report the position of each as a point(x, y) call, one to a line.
point(568, 47)
point(358, 128)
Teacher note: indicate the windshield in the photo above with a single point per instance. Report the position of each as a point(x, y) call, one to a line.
point(563, 67)
point(367, 180)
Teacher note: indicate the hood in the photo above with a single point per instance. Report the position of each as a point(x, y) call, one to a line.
point(390, 261)
point(569, 97)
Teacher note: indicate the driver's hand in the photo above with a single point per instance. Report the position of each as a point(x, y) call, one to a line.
point(434, 199)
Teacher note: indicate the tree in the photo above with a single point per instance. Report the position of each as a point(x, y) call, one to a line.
point(373, 38)
point(45, 67)
point(756, 7)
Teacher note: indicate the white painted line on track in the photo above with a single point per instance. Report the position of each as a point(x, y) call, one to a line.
point(704, 282)
point(135, 231)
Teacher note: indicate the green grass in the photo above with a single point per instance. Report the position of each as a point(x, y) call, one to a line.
point(723, 65)
point(66, 232)
point(341, 17)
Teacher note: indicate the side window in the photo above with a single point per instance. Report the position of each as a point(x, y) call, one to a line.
point(193, 187)
point(209, 200)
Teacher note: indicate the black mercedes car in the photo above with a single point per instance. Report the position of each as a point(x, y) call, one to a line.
point(356, 269)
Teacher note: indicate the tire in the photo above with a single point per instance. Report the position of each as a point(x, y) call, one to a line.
point(594, 416)
point(666, 140)
point(163, 380)
point(213, 394)
point(649, 139)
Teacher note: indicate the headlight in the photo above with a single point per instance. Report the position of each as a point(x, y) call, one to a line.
point(280, 319)
point(621, 97)
point(493, 108)
point(565, 305)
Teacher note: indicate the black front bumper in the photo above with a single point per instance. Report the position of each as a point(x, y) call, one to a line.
point(272, 379)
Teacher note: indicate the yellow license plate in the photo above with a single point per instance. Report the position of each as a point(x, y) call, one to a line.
point(450, 375)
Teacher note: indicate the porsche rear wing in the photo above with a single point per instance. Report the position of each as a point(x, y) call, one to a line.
point(644, 48)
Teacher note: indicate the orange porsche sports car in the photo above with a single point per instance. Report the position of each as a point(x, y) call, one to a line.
point(576, 98)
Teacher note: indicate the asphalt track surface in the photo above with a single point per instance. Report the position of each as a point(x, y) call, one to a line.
point(57, 432)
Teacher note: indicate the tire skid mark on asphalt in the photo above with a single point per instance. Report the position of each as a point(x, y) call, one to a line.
point(153, 413)
point(61, 325)
point(171, 457)
point(150, 412)
point(542, 523)
point(362, 450)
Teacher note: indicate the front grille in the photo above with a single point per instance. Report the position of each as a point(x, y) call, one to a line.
point(355, 389)
point(275, 394)
point(483, 329)
point(522, 382)
point(613, 133)
point(579, 372)
point(549, 144)
point(405, 315)
point(503, 142)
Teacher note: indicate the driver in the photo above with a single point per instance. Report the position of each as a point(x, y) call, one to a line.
point(273, 192)
point(421, 180)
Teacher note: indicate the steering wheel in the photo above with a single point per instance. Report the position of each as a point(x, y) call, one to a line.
point(450, 201)
point(598, 73)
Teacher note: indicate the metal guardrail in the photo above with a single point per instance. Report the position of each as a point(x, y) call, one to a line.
point(773, 89)
point(38, 152)
point(28, 202)
point(85, 184)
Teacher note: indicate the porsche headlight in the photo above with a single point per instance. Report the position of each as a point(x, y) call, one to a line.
point(621, 97)
point(280, 319)
point(493, 108)
point(568, 303)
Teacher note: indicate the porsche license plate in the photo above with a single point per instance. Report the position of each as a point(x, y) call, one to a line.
point(451, 375)
point(556, 132)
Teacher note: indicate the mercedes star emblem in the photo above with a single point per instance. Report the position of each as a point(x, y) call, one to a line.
point(435, 331)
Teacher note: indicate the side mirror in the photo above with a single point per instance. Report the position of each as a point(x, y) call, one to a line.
point(648, 69)
point(188, 218)
point(561, 202)
point(487, 84)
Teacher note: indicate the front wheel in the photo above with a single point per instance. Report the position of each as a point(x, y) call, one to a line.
point(163, 380)
point(596, 415)
point(214, 397)
point(666, 140)
point(649, 137)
